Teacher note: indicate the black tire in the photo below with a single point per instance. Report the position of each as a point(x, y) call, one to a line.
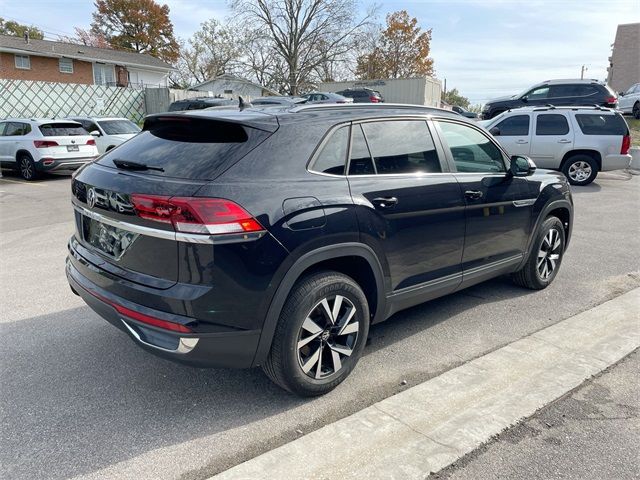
point(636, 111)
point(580, 169)
point(287, 358)
point(27, 168)
point(532, 275)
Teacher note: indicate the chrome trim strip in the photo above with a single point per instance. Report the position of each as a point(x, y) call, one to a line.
point(171, 235)
point(524, 203)
point(185, 345)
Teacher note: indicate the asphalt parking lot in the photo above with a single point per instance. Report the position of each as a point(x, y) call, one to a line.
point(78, 398)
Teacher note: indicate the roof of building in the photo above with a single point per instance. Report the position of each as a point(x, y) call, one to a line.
point(234, 78)
point(49, 48)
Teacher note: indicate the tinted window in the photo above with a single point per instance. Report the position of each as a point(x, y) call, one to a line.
point(538, 93)
point(15, 128)
point(564, 91)
point(586, 90)
point(187, 148)
point(116, 127)
point(402, 147)
point(3, 125)
point(552, 124)
point(360, 162)
point(62, 129)
point(471, 150)
point(518, 125)
point(333, 155)
point(594, 124)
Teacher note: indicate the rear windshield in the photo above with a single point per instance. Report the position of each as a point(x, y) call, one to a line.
point(595, 124)
point(186, 147)
point(118, 127)
point(62, 129)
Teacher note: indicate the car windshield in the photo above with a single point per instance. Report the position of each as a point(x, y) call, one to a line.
point(118, 127)
point(62, 129)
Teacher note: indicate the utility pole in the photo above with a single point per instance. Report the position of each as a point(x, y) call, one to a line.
point(582, 70)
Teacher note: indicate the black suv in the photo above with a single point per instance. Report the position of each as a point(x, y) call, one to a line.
point(556, 93)
point(362, 95)
point(200, 103)
point(276, 238)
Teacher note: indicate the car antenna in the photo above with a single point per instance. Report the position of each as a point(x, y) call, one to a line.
point(242, 104)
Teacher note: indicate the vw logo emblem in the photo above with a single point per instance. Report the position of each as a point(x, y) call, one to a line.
point(73, 141)
point(91, 198)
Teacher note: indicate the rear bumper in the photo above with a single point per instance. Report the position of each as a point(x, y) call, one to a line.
point(615, 162)
point(232, 349)
point(62, 164)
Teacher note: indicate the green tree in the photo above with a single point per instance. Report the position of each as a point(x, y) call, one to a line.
point(453, 97)
point(9, 27)
point(142, 26)
point(401, 50)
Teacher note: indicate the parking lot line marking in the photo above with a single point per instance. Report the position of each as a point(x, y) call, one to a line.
point(24, 183)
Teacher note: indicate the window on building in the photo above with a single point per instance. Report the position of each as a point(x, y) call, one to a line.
point(65, 65)
point(103, 74)
point(23, 62)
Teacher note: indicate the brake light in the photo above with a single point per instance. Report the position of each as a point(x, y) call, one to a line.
point(374, 99)
point(45, 143)
point(91, 141)
point(611, 100)
point(212, 216)
point(626, 144)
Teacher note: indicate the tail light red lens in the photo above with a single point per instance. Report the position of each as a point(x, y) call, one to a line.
point(626, 144)
point(211, 216)
point(45, 143)
point(91, 141)
point(374, 99)
point(611, 100)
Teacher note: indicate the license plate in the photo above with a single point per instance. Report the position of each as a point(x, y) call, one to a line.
point(109, 240)
point(73, 148)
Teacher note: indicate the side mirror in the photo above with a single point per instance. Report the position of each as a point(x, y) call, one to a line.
point(522, 166)
point(621, 94)
point(524, 99)
point(95, 133)
point(495, 131)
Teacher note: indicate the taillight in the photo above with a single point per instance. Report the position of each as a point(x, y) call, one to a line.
point(91, 141)
point(45, 143)
point(611, 100)
point(626, 144)
point(211, 216)
point(374, 99)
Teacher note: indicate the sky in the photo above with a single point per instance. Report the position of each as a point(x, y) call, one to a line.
point(484, 48)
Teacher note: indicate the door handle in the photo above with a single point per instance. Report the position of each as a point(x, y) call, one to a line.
point(521, 142)
point(473, 194)
point(385, 202)
point(564, 140)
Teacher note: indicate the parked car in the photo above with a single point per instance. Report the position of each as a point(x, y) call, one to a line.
point(278, 101)
point(200, 103)
point(362, 95)
point(326, 97)
point(33, 146)
point(629, 101)
point(578, 141)
point(228, 239)
point(108, 131)
point(556, 93)
point(464, 112)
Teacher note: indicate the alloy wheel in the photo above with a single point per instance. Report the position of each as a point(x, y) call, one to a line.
point(327, 337)
point(579, 171)
point(26, 168)
point(549, 254)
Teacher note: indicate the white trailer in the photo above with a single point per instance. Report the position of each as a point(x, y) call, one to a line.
point(415, 91)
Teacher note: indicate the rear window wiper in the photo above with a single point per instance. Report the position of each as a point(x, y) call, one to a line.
point(128, 165)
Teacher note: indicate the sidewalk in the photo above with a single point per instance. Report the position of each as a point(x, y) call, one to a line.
point(430, 426)
point(592, 433)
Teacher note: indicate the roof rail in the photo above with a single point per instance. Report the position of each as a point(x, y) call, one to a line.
point(364, 106)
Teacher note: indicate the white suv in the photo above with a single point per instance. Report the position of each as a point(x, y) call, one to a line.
point(579, 141)
point(629, 101)
point(32, 146)
point(108, 132)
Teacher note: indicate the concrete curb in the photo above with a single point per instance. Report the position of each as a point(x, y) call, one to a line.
point(429, 426)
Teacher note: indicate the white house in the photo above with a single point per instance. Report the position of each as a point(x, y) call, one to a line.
point(231, 86)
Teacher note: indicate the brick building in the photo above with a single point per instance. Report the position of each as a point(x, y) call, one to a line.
point(624, 62)
point(49, 61)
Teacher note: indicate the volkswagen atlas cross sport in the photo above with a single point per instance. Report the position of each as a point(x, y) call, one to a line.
point(276, 237)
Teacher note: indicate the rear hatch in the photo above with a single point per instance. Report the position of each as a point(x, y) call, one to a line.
point(122, 202)
point(62, 140)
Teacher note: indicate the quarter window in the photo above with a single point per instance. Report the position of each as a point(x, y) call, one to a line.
point(360, 162)
point(23, 62)
point(402, 147)
point(17, 129)
point(65, 65)
point(552, 124)
point(333, 155)
point(594, 124)
point(471, 150)
point(518, 126)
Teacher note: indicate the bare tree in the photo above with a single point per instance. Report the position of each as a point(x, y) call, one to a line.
point(308, 36)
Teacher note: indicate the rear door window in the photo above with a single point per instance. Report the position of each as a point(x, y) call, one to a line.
point(402, 147)
point(333, 154)
point(518, 125)
point(187, 147)
point(552, 124)
point(598, 124)
point(360, 162)
point(62, 129)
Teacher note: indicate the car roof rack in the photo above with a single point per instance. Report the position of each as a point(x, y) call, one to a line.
point(364, 106)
